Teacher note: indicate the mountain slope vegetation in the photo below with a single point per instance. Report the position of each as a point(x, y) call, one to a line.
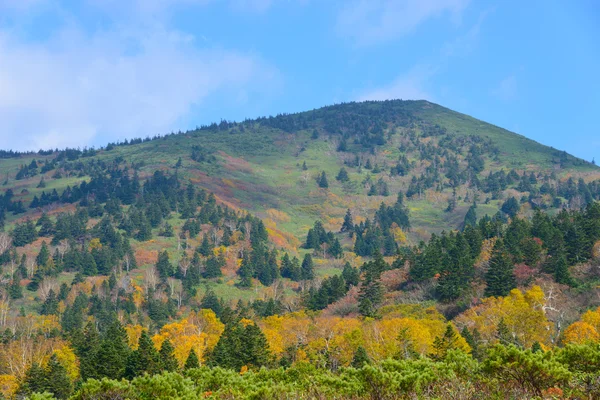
point(347, 235)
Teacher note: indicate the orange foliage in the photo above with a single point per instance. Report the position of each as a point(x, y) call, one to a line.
point(580, 333)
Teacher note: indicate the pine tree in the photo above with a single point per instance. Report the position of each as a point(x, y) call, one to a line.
point(322, 181)
point(370, 295)
point(246, 271)
point(500, 278)
point(240, 346)
point(191, 361)
point(163, 265)
point(167, 357)
point(56, 380)
point(441, 345)
point(360, 358)
point(205, 248)
point(342, 176)
point(348, 225)
point(212, 268)
point(308, 272)
point(111, 359)
point(145, 359)
point(351, 275)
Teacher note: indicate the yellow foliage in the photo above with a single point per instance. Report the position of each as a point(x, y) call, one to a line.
point(133, 335)
point(580, 333)
point(200, 331)
point(592, 318)
point(94, 244)
point(596, 250)
point(66, 356)
point(8, 385)
point(522, 314)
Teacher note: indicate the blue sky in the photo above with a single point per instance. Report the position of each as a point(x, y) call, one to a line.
point(85, 72)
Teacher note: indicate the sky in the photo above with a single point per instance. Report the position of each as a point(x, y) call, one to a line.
point(87, 72)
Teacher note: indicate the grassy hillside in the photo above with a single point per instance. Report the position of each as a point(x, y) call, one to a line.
point(269, 166)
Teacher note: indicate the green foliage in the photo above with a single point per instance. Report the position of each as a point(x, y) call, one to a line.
point(240, 346)
point(532, 372)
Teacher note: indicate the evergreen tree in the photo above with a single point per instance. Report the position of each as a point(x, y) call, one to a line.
point(371, 290)
point(167, 357)
point(342, 176)
point(322, 181)
point(205, 248)
point(511, 207)
point(163, 265)
point(210, 301)
point(348, 225)
point(240, 346)
point(441, 345)
point(145, 359)
point(246, 271)
point(308, 272)
point(360, 358)
point(351, 275)
point(500, 278)
point(192, 361)
point(111, 359)
point(56, 380)
point(212, 268)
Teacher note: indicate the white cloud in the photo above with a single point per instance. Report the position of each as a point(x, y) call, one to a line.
point(372, 21)
point(507, 89)
point(77, 89)
point(409, 86)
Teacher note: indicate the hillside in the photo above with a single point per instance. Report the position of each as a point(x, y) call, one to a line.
point(360, 221)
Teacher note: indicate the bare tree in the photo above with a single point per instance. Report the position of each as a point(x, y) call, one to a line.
point(184, 265)
point(127, 261)
point(30, 267)
point(5, 242)
point(150, 279)
point(45, 287)
point(4, 308)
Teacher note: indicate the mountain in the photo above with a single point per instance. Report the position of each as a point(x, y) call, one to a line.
point(350, 234)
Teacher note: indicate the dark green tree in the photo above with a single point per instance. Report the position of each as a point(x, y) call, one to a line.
point(360, 357)
point(191, 361)
point(500, 277)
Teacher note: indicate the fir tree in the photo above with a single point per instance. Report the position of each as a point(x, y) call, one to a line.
point(205, 248)
point(163, 265)
point(322, 181)
point(342, 176)
point(348, 225)
point(56, 380)
point(192, 361)
point(500, 278)
point(308, 272)
point(360, 357)
point(168, 361)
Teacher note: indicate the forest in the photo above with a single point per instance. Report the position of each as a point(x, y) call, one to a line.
point(365, 251)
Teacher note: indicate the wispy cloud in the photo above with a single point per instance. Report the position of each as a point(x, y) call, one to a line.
point(372, 21)
point(412, 85)
point(507, 89)
point(79, 87)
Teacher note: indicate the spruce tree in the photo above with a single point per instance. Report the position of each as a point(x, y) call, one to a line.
point(500, 278)
point(192, 361)
point(163, 266)
point(167, 357)
point(56, 380)
point(308, 272)
point(348, 225)
point(322, 181)
point(205, 248)
point(360, 358)
point(342, 176)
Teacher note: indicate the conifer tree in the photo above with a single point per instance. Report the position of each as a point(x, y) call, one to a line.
point(342, 176)
point(348, 225)
point(308, 272)
point(360, 357)
point(205, 248)
point(322, 181)
point(191, 361)
point(371, 290)
point(500, 278)
point(167, 357)
point(163, 265)
point(56, 380)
